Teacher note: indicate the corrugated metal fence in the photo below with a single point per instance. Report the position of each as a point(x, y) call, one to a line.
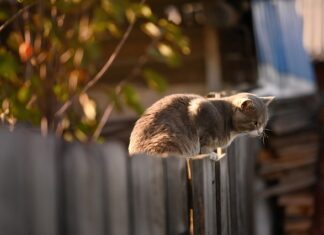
point(48, 186)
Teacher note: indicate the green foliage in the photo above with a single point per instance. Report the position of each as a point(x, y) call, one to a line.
point(132, 99)
point(49, 55)
point(3, 15)
point(8, 66)
point(155, 80)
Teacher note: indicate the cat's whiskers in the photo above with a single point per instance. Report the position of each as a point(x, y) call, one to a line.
point(264, 137)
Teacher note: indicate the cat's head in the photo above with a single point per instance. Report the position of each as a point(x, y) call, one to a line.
point(250, 113)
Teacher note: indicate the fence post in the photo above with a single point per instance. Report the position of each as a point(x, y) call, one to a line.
point(237, 187)
point(204, 184)
point(176, 196)
point(148, 196)
point(224, 197)
point(246, 152)
point(116, 191)
point(28, 189)
point(83, 190)
point(42, 183)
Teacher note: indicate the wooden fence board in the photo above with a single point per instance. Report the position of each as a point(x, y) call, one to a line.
point(42, 184)
point(224, 197)
point(204, 196)
point(176, 196)
point(84, 195)
point(246, 167)
point(51, 187)
point(198, 204)
point(13, 200)
point(241, 163)
point(116, 200)
point(148, 196)
point(233, 194)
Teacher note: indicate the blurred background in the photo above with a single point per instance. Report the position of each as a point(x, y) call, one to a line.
point(50, 51)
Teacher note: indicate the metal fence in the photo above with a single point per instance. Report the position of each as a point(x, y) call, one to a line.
point(48, 186)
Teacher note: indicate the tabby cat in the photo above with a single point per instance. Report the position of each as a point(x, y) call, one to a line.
point(189, 125)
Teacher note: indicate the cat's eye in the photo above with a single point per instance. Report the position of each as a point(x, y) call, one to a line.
point(256, 123)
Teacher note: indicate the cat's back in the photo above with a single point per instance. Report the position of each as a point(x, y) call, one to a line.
point(163, 125)
point(171, 102)
point(167, 109)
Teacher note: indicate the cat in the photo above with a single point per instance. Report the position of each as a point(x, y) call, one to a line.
point(188, 125)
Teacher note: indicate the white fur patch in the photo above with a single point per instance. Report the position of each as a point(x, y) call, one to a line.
point(256, 132)
point(194, 106)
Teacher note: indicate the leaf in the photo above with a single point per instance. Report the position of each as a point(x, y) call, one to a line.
point(115, 9)
point(85, 127)
point(35, 83)
point(138, 10)
point(80, 135)
point(3, 15)
point(8, 65)
point(173, 33)
point(92, 51)
point(113, 29)
point(132, 99)
point(171, 57)
point(14, 40)
point(165, 55)
point(61, 92)
point(180, 41)
point(68, 136)
point(48, 25)
point(151, 30)
point(88, 106)
point(116, 99)
point(155, 80)
point(24, 93)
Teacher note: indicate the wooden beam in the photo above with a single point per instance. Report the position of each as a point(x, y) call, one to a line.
point(212, 60)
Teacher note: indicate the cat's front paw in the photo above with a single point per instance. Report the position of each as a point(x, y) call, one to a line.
point(215, 157)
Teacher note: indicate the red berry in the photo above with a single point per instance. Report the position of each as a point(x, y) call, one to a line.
point(25, 51)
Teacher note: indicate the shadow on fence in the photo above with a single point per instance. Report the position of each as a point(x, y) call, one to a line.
point(48, 186)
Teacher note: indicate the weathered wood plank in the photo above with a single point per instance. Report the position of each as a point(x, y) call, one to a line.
point(224, 197)
point(83, 188)
point(148, 196)
point(204, 196)
point(99, 190)
point(241, 163)
point(198, 204)
point(233, 194)
point(13, 200)
point(176, 196)
point(42, 184)
point(116, 201)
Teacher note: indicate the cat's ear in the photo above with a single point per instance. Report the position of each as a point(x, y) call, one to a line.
point(247, 105)
point(267, 99)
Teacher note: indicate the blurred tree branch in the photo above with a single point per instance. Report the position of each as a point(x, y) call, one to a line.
point(97, 77)
point(132, 75)
point(49, 61)
point(19, 13)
